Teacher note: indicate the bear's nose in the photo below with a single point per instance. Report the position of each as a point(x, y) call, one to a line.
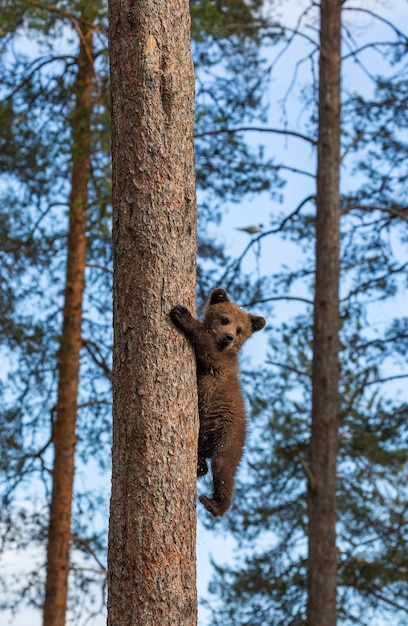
point(229, 337)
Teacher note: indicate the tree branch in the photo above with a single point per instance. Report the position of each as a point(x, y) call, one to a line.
point(310, 478)
point(401, 213)
point(100, 267)
point(91, 551)
point(278, 298)
point(257, 129)
point(235, 265)
point(64, 13)
point(379, 18)
point(95, 353)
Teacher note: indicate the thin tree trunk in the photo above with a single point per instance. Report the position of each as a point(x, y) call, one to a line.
point(151, 556)
point(59, 533)
point(325, 376)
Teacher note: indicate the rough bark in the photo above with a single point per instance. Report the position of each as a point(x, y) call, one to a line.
point(151, 556)
point(325, 376)
point(59, 533)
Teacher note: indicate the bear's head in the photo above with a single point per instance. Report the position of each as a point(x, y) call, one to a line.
point(228, 323)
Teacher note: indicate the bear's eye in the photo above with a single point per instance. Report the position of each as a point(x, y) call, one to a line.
point(224, 321)
point(239, 330)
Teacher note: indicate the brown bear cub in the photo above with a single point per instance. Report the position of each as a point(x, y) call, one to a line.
point(216, 342)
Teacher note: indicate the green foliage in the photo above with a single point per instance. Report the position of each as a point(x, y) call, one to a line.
point(221, 21)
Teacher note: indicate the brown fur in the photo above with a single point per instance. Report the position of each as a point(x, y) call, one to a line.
point(216, 343)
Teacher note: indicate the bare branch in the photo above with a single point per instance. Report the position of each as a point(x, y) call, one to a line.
point(279, 298)
point(100, 267)
point(289, 368)
point(351, 145)
point(380, 18)
point(401, 213)
point(387, 379)
point(83, 405)
point(256, 129)
point(310, 478)
point(95, 353)
point(37, 65)
point(86, 544)
point(235, 265)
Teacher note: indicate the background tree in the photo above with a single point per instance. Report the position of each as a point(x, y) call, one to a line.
point(270, 520)
point(68, 358)
point(151, 558)
point(322, 556)
point(53, 106)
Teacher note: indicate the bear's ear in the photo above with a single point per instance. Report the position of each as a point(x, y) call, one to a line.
point(218, 295)
point(257, 322)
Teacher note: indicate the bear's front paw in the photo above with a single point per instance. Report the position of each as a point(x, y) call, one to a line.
point(178, 314)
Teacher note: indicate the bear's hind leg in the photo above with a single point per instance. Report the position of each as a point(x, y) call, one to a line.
point(202, 466)
point(223, 469)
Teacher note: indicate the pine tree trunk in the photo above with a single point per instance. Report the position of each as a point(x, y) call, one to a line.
point(151, 556)
point(59, 533)
point(325, 375)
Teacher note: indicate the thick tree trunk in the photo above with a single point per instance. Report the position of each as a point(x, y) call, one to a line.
point(325, 376)
point(59, 533)
point(151, 557)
